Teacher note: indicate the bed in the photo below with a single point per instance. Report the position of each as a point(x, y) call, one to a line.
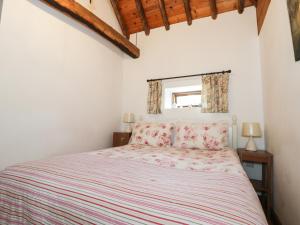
point(132, 184)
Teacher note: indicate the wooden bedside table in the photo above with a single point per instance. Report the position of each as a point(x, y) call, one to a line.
point(121, 138)
point(265, 186)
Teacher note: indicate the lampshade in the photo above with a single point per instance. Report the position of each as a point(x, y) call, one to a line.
point(251, 130)
point(128, 118)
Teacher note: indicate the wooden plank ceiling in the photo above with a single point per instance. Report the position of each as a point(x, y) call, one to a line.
point(143, 15)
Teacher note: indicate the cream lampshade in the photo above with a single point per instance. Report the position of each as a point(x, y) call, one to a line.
point(128, 118)
point(251, 130)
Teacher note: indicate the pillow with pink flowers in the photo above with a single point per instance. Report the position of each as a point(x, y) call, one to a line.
point(154, 134)
point(211, 136)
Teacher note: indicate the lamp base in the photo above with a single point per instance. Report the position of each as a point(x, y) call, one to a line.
point(128, 128)
point(251, 146)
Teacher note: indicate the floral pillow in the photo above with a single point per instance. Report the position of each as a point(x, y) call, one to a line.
point(211, 136)
point(154, 134)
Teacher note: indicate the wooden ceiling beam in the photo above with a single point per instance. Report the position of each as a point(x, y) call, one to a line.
point(213, 9)
point(261, 12)
point(240, 6)
point(162, 8)
point(81, 14)
point(188, 13)
point(116, 9)
point(141, 12)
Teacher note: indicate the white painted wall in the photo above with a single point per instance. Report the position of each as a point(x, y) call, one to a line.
point(1, 3)
point(230, 42)
point(104, 10)
point(281, 79)
point(60, 83)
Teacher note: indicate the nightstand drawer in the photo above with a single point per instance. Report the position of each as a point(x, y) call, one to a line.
point(121, 138)
point(255, 157)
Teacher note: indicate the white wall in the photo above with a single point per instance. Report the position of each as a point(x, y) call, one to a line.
point(230, 42)
point(1, 3)
point(281, 79)
point(59, 83)
point(103, 9)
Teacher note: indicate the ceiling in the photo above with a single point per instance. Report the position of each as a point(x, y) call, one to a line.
point(143, 15)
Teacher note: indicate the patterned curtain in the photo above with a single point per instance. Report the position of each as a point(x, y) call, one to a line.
point(154, 97)
point(215, 93)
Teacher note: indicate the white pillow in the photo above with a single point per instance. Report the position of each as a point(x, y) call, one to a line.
point(154, 134)
point(212, 136)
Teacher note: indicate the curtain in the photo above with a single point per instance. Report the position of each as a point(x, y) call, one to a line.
point(215, 93)
point(154, 97)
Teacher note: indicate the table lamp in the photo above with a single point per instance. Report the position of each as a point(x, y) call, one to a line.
point(251, 130)
point(128, 119)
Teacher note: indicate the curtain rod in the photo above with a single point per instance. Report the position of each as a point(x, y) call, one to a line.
point(195, 75)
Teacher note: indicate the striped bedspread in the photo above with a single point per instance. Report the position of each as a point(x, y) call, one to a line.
point(130, 185)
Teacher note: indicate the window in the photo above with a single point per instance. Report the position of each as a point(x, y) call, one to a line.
point(186, 99)
point(182, 96)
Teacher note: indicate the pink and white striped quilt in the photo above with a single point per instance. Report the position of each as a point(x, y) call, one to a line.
point(133, 184)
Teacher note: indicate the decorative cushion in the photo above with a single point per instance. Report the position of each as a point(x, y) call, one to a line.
point(211, 136)
point(154, 134)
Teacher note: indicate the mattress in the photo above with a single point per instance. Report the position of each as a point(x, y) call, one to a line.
point(133, 184)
